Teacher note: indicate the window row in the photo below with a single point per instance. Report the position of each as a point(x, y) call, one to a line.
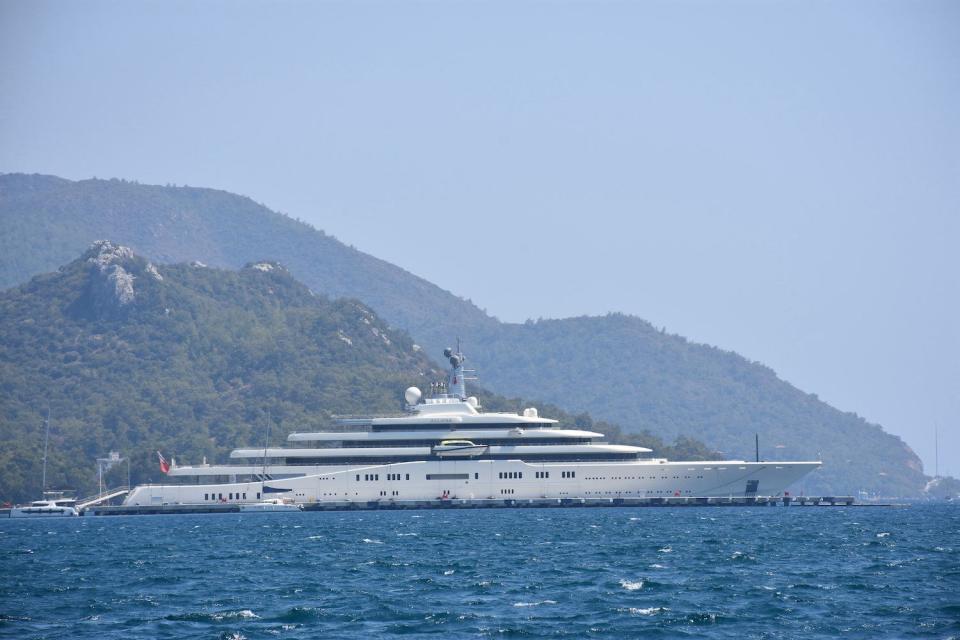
point(503, 475)
point(519, 454)
point(509, 442)
point(374, 477)
point(230, 496)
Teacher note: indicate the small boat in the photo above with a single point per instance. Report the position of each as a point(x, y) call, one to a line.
point(54, 505)
point(269, 504)
point(459, 448)
point(275, 504)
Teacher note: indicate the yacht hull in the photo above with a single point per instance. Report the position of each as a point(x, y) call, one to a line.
point(43, 512)
point(480, 479)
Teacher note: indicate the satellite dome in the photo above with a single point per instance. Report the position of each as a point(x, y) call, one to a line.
point(473, 402)
point(447, 352)
point(530, 412)
point(412, 395)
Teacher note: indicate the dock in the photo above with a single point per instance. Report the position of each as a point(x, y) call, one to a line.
point(159, 509)
point(533, 503)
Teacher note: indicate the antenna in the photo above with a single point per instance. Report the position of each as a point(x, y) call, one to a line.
point(756, 437)
point(936, 451)
point(266, 443)
point(46, 440)
point(107, 464)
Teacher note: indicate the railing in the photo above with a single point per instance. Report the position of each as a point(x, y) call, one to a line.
point(102, 497)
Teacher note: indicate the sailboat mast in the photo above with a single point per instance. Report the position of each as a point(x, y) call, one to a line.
point(266, 444)
point(46, 440)
point(936, 451)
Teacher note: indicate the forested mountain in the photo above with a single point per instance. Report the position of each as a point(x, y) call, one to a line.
point(617, 367)
point(48, 221)
point(195, 361)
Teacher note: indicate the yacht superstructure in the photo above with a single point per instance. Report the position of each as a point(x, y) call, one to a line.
point(445, 446)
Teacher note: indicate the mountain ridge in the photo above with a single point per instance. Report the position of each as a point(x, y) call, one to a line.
point(176, 232)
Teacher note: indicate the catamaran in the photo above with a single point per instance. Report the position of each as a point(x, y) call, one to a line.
point(55, 504)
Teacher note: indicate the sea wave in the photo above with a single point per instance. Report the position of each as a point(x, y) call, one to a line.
point(534, 604)
point(213, 616)
point(649, 611)
point(632, 586)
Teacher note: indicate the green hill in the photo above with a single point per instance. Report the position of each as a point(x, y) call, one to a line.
point(133, 357)
point(616, 367)
point(190, 360)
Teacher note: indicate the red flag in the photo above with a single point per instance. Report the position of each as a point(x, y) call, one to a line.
point(164, 465)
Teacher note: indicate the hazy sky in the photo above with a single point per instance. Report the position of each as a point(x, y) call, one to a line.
point(777, 178)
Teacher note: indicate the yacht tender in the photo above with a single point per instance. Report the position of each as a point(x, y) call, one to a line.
point(446, 447)
point(53, 505)
point(276, 504)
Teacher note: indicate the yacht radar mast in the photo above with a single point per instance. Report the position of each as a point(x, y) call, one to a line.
point(457, 386)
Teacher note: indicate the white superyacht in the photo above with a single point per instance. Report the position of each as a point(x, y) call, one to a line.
point(445, 447)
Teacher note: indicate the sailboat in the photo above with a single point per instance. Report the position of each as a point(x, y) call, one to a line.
point(55, 504)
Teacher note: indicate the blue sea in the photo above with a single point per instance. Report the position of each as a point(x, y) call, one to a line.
point(705, 572)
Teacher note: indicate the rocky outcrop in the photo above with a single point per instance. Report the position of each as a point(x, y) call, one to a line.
point(154, 272)
point(112, 276)
point(266, 266)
